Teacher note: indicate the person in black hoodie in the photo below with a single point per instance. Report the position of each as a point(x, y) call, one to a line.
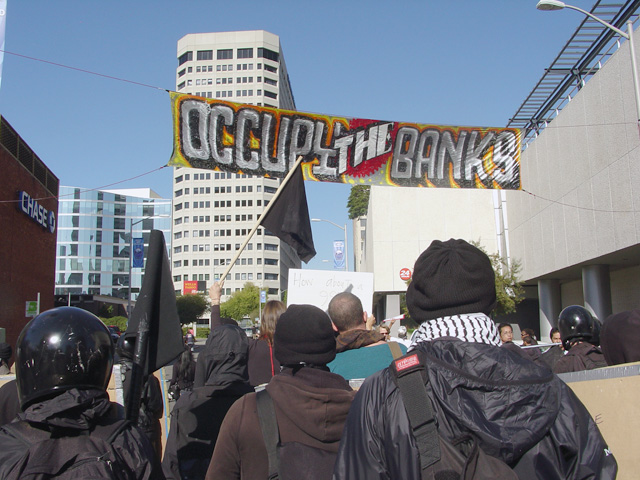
point(515, 410)
point(198, 414)
point(63, 366)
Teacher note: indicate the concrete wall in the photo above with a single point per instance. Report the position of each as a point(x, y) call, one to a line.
point(584, 169)
point(407, 220)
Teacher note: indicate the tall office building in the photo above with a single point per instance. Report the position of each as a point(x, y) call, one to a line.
point(214, 211)
point(95, 230)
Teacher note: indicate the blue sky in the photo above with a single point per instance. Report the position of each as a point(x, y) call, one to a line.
point(448, 62)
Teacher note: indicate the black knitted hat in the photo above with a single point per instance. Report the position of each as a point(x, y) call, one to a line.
point(451, 278)
point(304, 335)
point(5, 351)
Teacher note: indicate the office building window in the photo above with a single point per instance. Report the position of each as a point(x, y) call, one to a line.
point(269, 81)
point(269, 94)
point(269, 68)
point(245, 53)
point(225, 54)
point(185, 57)
point(206, 54)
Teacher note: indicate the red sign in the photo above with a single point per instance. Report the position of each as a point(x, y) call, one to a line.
point(405, 274)
point(189, 286)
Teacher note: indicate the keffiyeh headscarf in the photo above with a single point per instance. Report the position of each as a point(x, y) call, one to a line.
point(470, 327)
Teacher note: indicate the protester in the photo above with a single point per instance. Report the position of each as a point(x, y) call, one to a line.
point(190, 339)
point(183, 375)
point(310, 402)
point(151, 403)
point(262, 362)
point(556, 352)
point(514, 410)
point(620, 338)
point(402, 337)
point(64, 358)
point(9, 402)
point(5, 355)
point(360, 352)
point(198, 414)
point(580, 333)
point(528, 332)
point(506, 332)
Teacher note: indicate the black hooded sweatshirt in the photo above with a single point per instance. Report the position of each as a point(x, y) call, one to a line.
point(198, 414)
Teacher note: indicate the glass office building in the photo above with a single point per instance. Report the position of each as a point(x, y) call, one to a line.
point(95, 230)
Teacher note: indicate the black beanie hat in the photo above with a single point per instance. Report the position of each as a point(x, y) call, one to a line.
point(304, 335)
point(451, 278)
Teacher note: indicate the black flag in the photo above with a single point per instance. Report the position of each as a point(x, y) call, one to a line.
point(154, 323)
point(156, 305)
point(288, 217)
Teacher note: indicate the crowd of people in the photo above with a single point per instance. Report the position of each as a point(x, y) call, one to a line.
point(458, 400)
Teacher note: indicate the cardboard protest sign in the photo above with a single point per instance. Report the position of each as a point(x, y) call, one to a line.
point(318, 287)
point(213, 134)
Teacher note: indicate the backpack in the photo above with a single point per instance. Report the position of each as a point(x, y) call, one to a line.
point(85, 456)
point(291, 460)
point(460, 459)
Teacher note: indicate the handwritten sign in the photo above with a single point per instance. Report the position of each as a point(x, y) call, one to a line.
point(318, 287)
point(240, 138)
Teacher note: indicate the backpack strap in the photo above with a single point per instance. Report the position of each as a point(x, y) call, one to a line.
point(30, 435)
point(418, 406)
point(269, 427)
point(396, 352)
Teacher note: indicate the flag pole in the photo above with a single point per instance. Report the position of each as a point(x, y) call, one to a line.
point(259, 221)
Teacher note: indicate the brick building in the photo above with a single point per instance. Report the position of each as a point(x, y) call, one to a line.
point(28, 215)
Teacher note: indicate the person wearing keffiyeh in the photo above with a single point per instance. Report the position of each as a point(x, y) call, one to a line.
point(513, 409)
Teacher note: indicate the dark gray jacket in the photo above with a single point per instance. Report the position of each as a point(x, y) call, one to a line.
point(518, 411)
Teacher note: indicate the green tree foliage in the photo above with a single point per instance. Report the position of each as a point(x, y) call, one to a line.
point(120, 322)
point(358, 201)
point(191, 307)
point(509, 289)
point(241, 303)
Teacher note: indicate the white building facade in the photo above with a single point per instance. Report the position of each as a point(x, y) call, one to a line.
point(214, 211)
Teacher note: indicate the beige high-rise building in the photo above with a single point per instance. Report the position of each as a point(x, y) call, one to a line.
point(214, 211)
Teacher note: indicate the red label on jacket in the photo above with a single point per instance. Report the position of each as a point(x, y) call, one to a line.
point(407, 362)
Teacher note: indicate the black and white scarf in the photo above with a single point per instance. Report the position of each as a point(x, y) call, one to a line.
point(471, 327)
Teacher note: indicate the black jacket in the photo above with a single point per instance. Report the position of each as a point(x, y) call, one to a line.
point(80, 410)
point(518, 411)
point(197, 415)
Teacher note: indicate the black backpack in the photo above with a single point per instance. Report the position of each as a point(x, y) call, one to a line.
point(85, 456)
point(291, 460)
point(440, 459)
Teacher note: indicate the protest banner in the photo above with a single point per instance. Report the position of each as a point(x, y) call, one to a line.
point(213, 134)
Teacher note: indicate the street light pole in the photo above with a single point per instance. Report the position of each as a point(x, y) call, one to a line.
point(346, 248)
point(557, 5)
point(131, 256)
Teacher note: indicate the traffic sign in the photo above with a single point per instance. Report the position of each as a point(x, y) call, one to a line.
point(405, 274)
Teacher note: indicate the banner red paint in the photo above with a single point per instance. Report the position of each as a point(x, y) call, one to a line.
point(233, 137)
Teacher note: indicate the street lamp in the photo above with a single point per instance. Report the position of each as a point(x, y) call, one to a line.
point(346, 249)
point(131, 254)
point(557, 5)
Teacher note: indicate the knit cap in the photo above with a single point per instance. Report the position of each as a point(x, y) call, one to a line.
point(304, 335)
point(450, 278)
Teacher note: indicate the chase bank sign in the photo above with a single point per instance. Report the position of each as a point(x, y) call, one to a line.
point(36, 212)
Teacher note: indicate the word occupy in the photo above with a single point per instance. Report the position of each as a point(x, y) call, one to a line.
point(262, 141)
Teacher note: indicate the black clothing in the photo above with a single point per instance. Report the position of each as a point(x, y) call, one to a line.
point(519, 412)
point(262, 362)
point(197, 415)
point(9, 402)
point(77, 412)
point(620, 337)
point(151, 407)
point(581, 356)
point(551, 356)
point(184, 382)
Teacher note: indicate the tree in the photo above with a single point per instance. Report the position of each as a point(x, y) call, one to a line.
point(242, 303)
point(358, 202)
point(509, 290)
point(191, 307)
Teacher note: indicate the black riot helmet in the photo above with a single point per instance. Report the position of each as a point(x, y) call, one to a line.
point(60, 349)
point(577, 323)
point(125, 348)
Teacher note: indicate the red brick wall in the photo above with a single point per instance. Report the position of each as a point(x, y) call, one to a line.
point(27, 250)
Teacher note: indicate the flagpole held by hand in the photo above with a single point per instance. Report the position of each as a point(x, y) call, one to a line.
point(262, 216)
